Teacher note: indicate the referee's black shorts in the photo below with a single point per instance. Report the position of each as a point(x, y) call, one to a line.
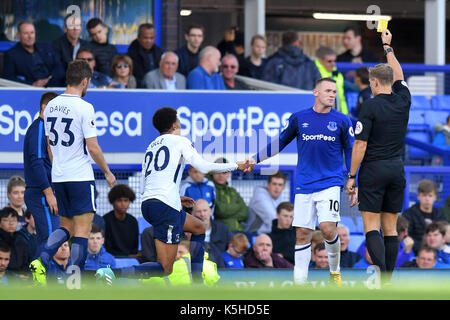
point(381, 186)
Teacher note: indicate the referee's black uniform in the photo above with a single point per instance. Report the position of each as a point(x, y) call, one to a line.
point(382, 122)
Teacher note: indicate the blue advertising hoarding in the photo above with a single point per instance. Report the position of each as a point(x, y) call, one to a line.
point(124, 117)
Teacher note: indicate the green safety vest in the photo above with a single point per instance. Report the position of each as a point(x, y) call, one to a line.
point(339, 78)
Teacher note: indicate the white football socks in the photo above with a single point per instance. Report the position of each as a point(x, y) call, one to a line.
point(302, 260)
point(334, 253)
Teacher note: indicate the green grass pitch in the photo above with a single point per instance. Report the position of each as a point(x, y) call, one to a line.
point(91, 291)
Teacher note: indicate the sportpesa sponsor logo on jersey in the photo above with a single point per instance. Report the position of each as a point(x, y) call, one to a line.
point(317, 137)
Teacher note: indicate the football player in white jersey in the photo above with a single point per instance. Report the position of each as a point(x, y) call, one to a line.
point(71, 134)
point(162, 168)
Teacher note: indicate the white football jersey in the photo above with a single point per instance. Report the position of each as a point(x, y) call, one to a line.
point(163, 167)
point(69, 120)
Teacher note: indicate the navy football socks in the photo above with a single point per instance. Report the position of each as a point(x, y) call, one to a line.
point(197, 252)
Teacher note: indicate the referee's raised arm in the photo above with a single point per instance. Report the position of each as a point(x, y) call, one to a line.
point(386, 37)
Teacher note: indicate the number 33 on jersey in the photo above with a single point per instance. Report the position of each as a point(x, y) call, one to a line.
point(69, 120)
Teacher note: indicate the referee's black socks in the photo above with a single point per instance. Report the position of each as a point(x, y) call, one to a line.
point(391, 252)
point(375, 246)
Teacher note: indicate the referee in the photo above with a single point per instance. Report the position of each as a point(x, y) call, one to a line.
point(379, 140)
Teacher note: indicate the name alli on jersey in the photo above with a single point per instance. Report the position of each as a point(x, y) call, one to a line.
point(63, 109)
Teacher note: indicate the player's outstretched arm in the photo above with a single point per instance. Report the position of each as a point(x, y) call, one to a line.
point(386, 37)
point(244, 166)
point(250, 165)
point(96, 153)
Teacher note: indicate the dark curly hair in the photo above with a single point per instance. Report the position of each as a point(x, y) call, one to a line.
point(121, 191)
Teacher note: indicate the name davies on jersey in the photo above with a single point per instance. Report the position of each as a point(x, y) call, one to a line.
point(117, 123)
point(62, 109)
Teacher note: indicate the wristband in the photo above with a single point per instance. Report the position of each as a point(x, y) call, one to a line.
point(386, 51)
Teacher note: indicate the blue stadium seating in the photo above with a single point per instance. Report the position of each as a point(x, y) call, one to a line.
point(354, 224)
point(420, 102)
point(143, 224)
point(126, 262)
point(355, 241)
point(439, 102)
point(423, 136)
point(434, 116)
point(417, 117)
point(352, 100)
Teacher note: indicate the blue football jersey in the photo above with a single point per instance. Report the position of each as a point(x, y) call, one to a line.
point(322, 140)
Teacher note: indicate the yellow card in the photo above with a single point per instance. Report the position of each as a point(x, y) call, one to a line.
point(382, 25)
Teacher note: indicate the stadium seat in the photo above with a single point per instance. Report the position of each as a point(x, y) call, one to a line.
point(414, 153)
point(143, 224)
point(417, 117)
point(420, 102)
point(439, 102)
point(355, 241)
point(352, 100)
point(354, 224)
point(126, 262)
point(434, 116)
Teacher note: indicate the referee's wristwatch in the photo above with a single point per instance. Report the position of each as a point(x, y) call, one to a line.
point(350, 176)
point(386, 51)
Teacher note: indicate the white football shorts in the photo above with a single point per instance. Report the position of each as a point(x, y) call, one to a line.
point(323, 205)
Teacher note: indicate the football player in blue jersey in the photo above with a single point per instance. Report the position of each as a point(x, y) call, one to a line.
point(324, 136)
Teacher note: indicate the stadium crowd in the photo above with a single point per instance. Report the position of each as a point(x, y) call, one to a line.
point(192, 66)
point(239, 235)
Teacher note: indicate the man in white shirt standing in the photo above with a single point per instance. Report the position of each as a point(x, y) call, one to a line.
point(71, 134)
point(162, 168)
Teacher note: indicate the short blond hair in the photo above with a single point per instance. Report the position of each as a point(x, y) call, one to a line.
point(383, 72)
